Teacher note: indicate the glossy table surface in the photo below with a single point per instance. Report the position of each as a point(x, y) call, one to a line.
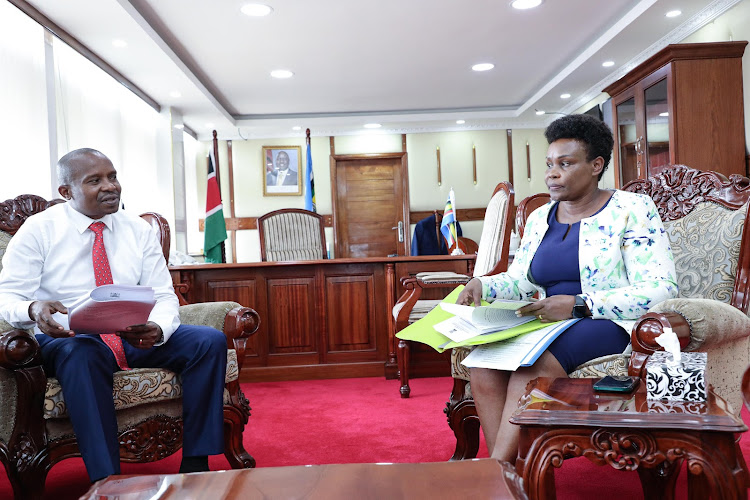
point(573, 402)
point(486, 479)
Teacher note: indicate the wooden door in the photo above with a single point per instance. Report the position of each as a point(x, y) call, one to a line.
point(371, 198)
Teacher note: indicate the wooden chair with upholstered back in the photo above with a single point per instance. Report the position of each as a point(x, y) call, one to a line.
point(706, 217)
point(492, 258)
point(291, 234)
point(35, 432)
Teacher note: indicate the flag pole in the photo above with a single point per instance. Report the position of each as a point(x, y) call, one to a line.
point(218, 181)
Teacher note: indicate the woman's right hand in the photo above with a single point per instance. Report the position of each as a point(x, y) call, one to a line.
point(471, 294)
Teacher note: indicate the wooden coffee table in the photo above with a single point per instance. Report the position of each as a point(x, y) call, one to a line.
point(486, 479)
point(563, 418)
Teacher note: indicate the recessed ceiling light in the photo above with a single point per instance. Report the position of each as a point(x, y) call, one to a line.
point(179, 126)
point(607, 64)
point(664, 114)
point(281, 73)
point(372, 125)
point(565, 96)
point(673, 13)
point(176, 94)
point(460, 122)
point(525, 4)
point(539, 111)
point(483, 67)
point(209, 125)
point(256, 9)
point(296, 127)
point(119, 43)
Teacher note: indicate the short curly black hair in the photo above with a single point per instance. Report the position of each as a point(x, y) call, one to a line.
point(592, 132)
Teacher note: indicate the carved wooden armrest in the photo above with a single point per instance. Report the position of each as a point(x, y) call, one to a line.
point(19, 349)
point(644, 333)
point(239, 324)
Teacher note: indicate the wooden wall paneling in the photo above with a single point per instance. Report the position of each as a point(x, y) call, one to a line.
point(351, 313)
point(291, 318)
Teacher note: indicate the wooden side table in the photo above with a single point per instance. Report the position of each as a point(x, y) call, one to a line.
point(564, 418)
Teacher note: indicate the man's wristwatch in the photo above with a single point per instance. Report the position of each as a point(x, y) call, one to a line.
point(580, 309)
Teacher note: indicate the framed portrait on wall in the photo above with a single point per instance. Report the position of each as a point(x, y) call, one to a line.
point(282, 173)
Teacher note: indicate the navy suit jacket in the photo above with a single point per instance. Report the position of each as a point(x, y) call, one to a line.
point(426, 242)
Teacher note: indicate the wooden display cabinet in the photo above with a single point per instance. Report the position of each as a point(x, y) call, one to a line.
point(681, 106)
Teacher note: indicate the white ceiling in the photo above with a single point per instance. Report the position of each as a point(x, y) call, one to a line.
point(403, 63)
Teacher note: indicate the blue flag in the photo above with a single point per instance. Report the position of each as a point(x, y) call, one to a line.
point(448, 226)
point(310, 189)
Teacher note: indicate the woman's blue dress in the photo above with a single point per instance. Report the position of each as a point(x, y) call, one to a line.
point(555, 267)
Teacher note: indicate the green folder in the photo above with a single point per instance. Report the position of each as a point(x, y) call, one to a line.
point(423, 331)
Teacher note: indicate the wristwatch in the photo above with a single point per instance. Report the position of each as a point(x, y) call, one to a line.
point(580, 309)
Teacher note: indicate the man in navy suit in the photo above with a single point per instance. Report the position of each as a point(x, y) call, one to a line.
point(281, 175)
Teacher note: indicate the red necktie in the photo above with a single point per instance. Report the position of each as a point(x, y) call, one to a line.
point(103, 276)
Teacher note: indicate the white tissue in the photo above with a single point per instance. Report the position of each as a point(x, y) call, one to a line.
point(669, 341)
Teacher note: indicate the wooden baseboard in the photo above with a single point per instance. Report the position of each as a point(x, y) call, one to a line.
point(312, 372)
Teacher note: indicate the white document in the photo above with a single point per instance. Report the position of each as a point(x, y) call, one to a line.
point(511, 353)
point(111, 308)
point(498, 316)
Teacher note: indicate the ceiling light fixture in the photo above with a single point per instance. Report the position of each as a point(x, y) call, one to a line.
point(281, 73)
point(483, 67)
point(372, 125)
point(565, 96)
point(119, 43)
point(539, 112)
point(664, 114)
point(296, 127)
point(608, 64)
point(460, 122)
point(256, 9)
point(673, 13)
point(179, 126)
point(525, 4)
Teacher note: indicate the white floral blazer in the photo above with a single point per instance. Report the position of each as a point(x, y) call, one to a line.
point(624, 256)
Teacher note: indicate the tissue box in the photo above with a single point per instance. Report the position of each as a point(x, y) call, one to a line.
point(684, 382)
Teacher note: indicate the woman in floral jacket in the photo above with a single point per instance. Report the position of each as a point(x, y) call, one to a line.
point(590, 253)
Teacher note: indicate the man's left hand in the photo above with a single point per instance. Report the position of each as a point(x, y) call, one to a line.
point(142, 336)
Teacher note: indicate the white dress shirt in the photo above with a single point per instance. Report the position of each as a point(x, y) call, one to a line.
point(49, 258)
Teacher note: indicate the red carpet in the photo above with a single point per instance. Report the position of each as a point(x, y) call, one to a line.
point(356, 421)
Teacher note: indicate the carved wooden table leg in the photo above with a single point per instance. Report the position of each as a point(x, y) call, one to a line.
point(403, 367)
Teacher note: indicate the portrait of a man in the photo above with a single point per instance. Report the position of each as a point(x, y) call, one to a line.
point(282, 171)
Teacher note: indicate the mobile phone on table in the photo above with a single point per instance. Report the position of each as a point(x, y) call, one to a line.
point(616, 384)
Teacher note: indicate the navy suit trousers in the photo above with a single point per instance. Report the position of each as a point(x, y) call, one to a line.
point(84, 365)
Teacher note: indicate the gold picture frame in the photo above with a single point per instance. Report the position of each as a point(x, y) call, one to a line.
point(289, 158)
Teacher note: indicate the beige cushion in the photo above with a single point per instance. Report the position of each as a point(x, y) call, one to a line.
point(134, 387)
point(4, 240)
point(706, 247)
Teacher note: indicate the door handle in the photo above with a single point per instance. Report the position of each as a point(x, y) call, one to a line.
point(400, 228)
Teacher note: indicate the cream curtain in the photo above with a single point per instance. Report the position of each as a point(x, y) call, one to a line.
point(23, 121)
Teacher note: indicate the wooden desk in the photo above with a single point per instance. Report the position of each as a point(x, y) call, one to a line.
point(563, 418)
point(321, 318)
point(485, 479)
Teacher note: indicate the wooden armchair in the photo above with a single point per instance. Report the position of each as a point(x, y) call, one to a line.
point(35, 432)
point(705, 215)
point(492, 258)
point(291, 234)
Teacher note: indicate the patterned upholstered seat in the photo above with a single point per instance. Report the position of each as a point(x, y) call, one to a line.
point(492, 258)
point(705, 216)
point(35, 432)
point(291, 234)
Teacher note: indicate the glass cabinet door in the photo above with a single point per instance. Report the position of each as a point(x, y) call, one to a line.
point(657, 127)
point(627, 138)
